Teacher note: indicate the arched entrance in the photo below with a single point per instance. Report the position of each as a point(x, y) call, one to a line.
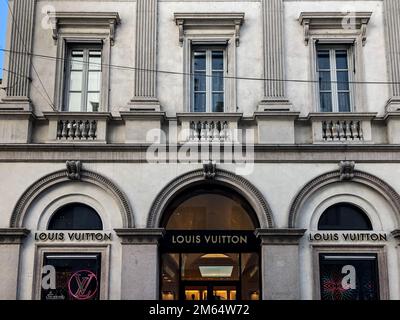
point(209, 251)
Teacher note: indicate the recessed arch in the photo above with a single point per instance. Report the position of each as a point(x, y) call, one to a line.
point(380, 186)
point(222, 177)
point(58, 177)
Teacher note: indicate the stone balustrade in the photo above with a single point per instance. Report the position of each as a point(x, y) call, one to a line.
point(342, 127)
point(342, 130)
point(212, 131)
point(77, 129)
point(208, 128)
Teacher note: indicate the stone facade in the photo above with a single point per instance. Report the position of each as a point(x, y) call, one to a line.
point(128, 159)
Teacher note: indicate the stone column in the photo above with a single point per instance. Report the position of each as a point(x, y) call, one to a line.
point(280, 263)
point(145, 91)
point(392, 28)
point(274, 59)
point(140, 267)
point(19, 63)
point(10, 244)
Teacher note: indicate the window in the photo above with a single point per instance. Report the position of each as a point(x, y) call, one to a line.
point(349, 276)
point(83, 78)
point(75, 216)
point(208, 79)
point(210, 208)
point(71, 276)
point(334, 71)
point(344, 216)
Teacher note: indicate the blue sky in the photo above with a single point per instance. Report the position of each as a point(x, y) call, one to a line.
point(3, 25)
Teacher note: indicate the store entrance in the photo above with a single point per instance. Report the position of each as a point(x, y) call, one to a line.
point(212, 291)
point(209, 250)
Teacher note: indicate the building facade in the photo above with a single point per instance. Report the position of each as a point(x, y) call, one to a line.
point(164, 149)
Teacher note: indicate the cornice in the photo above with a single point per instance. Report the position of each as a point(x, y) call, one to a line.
point(134, 236)
point(209, 20)
point(13, 235)
point(106, 20)
point(341, 115)
point(78, 115)
point(280, 236)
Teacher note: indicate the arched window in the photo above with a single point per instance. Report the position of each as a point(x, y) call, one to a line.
point(75, 216)
point(208, 208)
point(344, 216)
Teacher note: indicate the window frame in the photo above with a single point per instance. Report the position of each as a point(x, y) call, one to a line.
point(63, 43)
point(348, 257)
point(209, 49)
point(103, 250)
point(86, 48)
point(332, 49)
point(357, 89)
point(378, 250)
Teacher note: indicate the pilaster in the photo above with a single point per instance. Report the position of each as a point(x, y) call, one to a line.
point(392, 26)
point(10, 244)
point(140, 263)
point(280, 263)
point(145, 90)
point(19, 64)
point(274, 61)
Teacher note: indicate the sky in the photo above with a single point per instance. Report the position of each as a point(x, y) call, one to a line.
point(3, 25)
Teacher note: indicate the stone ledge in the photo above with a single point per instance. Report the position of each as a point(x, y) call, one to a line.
point(140, 236)
point(12, 235)
point(280, 236)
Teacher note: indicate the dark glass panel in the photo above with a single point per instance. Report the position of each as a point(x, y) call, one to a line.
point(77, 276)
point(344, 216)
point(341, 59)
point(75, 216)
point(323, 60)
point(326, 101)
point(344, 101)
point(349, 277)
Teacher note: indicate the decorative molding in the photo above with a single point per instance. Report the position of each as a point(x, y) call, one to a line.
point(280, 236)
point(134, 236)
point(240, 184)
point(74, 170)
point(23, 203)
point(84, 20)
point(346, 170)
point(335, 20)
point(392, 31)
point(334, 176)
point(12, 235)
point(212, 20)
point(396, 234)
point(19, 65)
point(209, 169)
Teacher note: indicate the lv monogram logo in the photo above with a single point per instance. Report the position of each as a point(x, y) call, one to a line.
point(82, 285)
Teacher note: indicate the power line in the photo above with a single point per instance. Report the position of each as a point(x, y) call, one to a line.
point(30, 80)
point(129, 68)
point(33, 66)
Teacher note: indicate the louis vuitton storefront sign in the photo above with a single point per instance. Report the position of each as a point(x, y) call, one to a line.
point(348, 236)
point(73, 236)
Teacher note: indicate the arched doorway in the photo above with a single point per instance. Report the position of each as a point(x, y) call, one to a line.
point(209, 251)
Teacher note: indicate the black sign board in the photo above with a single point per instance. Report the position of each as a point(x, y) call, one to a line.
point(206, 241)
